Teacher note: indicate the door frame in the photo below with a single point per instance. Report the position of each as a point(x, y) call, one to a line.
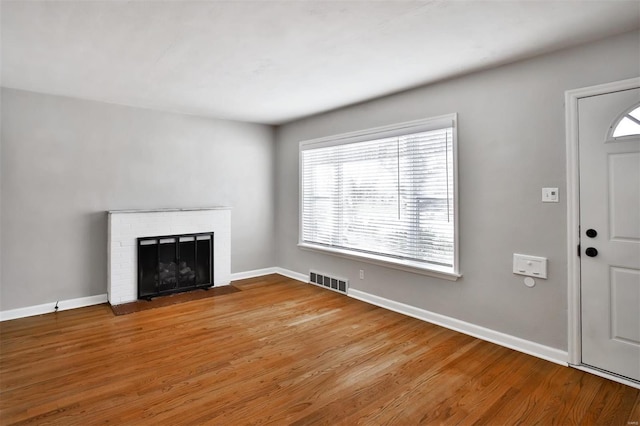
point(573, 218)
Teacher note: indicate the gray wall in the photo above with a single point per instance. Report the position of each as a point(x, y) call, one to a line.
point(64, 162)
point(511, 143)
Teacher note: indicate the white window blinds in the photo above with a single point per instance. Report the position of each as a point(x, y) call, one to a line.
point(390, 197)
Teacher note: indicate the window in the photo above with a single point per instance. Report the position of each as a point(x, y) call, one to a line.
point(384, 195)
point(628, 124)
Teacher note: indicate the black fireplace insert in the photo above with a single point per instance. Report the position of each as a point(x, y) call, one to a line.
point(174, 263)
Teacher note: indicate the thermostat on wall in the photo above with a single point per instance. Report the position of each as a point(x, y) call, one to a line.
point(550, 195)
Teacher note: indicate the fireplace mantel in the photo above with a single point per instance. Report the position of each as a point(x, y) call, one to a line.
point(125, 226)
point(193, 209)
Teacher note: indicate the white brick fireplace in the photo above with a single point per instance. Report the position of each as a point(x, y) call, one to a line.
point(125, 226)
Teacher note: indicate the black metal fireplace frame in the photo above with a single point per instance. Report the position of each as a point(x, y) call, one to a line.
point(158, 238)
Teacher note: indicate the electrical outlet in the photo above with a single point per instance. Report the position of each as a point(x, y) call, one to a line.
point(362, 274)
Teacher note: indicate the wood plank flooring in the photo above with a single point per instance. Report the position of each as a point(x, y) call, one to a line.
point(282, 352)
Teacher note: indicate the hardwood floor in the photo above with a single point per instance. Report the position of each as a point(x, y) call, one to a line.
point(282, 352)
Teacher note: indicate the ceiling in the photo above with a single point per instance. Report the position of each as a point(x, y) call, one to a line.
point(276, 61)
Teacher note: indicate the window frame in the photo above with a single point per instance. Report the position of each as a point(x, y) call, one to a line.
point(448, 120)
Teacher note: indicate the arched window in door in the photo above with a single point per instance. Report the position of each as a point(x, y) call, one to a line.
point(627, 124)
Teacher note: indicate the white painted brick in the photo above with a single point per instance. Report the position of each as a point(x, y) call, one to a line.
point(126, 227)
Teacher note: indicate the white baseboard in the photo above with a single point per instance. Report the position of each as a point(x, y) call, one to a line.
point(541, 351)
point(293, 275)
point(531, 348)
point(251, 274)
point(267, 271)
point(81, 302)
point(46, 308)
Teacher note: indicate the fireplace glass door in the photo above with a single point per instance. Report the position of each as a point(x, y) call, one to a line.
point(174, 263)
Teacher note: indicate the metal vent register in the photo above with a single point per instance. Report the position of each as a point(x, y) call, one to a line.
point(332, 283)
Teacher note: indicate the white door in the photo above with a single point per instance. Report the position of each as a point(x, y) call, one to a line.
point(610, 232)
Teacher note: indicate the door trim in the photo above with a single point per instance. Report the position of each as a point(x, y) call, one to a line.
point(573, 212)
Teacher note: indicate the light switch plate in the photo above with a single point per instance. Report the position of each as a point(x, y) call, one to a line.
point(532, 266)
point(550, 195)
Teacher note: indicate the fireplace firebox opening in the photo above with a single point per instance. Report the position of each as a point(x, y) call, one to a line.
point(174, 263)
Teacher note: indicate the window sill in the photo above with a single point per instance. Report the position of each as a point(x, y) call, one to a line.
point(403, 265)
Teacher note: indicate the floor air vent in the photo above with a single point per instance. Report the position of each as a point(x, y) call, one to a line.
point(332, 283)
